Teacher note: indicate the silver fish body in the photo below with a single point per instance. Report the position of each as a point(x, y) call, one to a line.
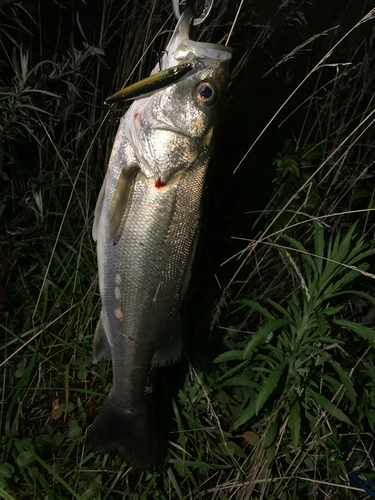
point(146, 227)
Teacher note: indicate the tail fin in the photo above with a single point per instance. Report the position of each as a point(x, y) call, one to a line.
point(129, 434)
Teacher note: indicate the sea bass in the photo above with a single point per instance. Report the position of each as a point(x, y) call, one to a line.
point(146, 226)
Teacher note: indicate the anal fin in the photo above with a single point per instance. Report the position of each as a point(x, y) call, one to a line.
point(101, 347)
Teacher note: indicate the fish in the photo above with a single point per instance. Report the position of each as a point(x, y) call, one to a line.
point(146, 226)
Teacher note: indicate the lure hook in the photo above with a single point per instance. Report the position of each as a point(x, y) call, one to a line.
point(206, 10)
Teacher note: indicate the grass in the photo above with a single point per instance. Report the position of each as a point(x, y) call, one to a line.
point(287, 410)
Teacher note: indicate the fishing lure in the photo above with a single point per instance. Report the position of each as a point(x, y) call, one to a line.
point(152, 83)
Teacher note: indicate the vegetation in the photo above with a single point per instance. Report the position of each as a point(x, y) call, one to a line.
point(287, 409)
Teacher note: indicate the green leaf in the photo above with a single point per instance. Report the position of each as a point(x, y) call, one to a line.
point(58, 438)
point(365, 295)
point(247, 414)
point(356, 254)
point(362, 193)
point(341, 248)
point(242, 381)
point(42, 440)
point(10, 467)
point(25, 458)
point(175, 483)
point(5, 472)
point(269, 386)
point(338, 254)
point(334, 383)
point(5, 495)
point(235, 355)
point(322, 323)
point(346, 381)
point(93, 489)
point(278, 353)
point(182, 438)
point(330, 311)
point(235, 449)
point(309, 261)
point(74, 429)
point(319, 246)
point(327, 405)
point(56, 476)
point(294, 423)
point(271, 434)
point(339, 284)
point(270, 454)
point(280, 309)
point(262, 334)
point(256, 306)
point(363, 331)
point(311, 151)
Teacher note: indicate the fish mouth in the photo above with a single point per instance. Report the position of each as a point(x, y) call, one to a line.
point(170, 128)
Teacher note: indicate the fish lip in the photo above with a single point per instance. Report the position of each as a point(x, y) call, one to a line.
point(170, 128)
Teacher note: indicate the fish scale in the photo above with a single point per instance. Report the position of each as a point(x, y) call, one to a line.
point(146, 226)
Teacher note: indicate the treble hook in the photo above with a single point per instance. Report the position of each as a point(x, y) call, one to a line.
point(206, 10)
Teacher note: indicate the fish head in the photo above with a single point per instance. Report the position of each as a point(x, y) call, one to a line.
point(175, 125)
point(191, 105)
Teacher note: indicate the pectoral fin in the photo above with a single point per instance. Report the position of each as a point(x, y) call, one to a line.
point(120, 205)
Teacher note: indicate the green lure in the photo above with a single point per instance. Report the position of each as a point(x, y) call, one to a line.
point(151, 84)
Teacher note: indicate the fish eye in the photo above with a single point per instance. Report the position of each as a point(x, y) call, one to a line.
point(205, 93)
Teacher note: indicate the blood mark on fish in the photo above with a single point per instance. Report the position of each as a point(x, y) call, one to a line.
point(159, 184)
point(130, 338)
point(137, 122)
